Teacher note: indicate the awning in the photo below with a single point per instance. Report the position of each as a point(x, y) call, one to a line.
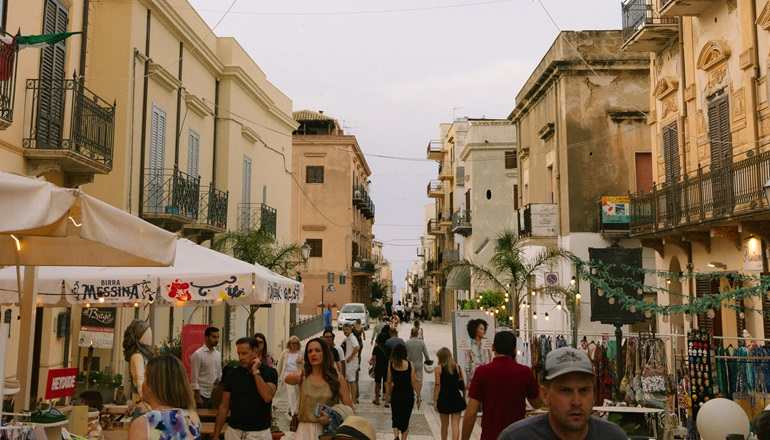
point(459, 278)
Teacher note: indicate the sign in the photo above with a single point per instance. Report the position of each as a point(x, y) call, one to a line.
point(278, 293)
point(193, 337)
point(97, 327)
point(204, 289)
point(601, 309)
point(616, 210)
point(544, 219)
point(61, 383)
point(113, 291)
point(552, 279)
point(465, 354)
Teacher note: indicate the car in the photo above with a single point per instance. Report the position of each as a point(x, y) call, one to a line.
point(352, 311)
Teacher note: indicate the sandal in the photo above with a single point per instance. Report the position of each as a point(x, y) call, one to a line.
point(49, 415)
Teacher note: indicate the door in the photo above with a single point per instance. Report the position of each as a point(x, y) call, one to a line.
point(155, 184)
point(50, 99)
point(643, 172)
point(673, 169)
point(720, 139)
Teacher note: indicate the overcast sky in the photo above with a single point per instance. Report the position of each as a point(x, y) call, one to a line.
point(392, 71)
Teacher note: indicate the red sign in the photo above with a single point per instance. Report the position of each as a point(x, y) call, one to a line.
point(192, 339)
point(61, 383)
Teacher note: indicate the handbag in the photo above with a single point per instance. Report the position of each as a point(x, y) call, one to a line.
point(654, 373)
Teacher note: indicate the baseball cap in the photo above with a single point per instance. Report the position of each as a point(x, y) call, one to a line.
point(567, 360)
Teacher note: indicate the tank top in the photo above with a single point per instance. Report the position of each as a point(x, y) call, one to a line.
point(291, 363)
point(172, 424)
point(310, 396)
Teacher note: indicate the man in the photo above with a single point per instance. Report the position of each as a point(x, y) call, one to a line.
point(568, 391)
point(328, 336)
point(417, 352)
point(358, 332)
point(206, 368)
point(248, 395)
point(327, 317)
point(351, 358)
point(377, 329)
point(501, 387)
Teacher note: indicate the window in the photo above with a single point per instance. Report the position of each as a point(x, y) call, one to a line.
point(510, 160)
point(489, 194)
point(157, 138)
point(314, 174)
point(316, 247)
point(353, 308)
point(193, 154)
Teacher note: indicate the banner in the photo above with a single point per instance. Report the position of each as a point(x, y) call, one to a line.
point(97, 327)
point(205, 288)
point(113, 291)
point(616, 209)
point(61, 383)
point(467, 356)
point(193, 338)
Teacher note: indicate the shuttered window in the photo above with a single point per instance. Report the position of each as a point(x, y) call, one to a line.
point(316, 247)
point(314, 174)
point(157, 138)
point(50, 103)
point(721, 155)
point(705, 286)
point(510, 160)
point(193, 154)
point(766, 309)
point(671, 152)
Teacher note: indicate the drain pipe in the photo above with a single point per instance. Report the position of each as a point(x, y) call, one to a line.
point(142, 147)
point(754, 77)
point(683, 100)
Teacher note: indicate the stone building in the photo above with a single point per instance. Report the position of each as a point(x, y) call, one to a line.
point(334, 210)
point(710, 134)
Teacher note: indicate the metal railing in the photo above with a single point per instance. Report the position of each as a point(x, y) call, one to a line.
point(171, 192)
point(9, 55)
point(363, 265)
point(435, 186)
point(461, 222)
point(307, 327)
point(435, 147)
point(451, 256)
point(90, 129)
point(734, 188)
point(363, 202)
point(640, 13)
point(433, 227)
point(213, 207)
point(258, 216)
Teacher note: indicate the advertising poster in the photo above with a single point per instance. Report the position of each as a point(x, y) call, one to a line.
point(192, 339)
point(468, 354)
point(60, 383)
point(97, 327)
point(616, 210)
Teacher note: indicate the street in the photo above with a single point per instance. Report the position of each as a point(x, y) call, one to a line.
point(425, 423)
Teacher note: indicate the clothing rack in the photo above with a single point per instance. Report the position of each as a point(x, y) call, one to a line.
point(743, 358)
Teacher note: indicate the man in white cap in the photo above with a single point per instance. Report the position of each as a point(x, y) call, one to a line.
point(568, 391)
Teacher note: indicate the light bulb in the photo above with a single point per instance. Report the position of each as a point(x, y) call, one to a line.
point(668, 282)
point(511, 318)
point(88, 305)
point(546, 316)
point(534, 315)
point(136, 304)
point(599, 292)
point(558, 306)
point(611, 300)
point(741, 315)
point(101, 299)
point(573, 281)
point(578, 296)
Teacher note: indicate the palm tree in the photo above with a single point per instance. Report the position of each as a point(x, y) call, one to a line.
point(510, 270)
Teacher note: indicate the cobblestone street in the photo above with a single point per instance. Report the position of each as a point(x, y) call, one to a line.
point(425, 423)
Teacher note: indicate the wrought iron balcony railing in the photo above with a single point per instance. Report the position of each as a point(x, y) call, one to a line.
point(731, 189)
point(67, 116)
point(9, 55)
point(363, 265)
point(461, 222)
point(435, 150)
point(451, 256)
point(171, 194)
point(213, 207)
point(258, 216)
point(640, 17)
point(435, 189)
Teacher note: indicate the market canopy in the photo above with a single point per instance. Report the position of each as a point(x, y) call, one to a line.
point(199, 274)
point(46, 225)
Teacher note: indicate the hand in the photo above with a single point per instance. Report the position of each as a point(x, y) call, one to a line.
point(255, 366)
point(324, 420)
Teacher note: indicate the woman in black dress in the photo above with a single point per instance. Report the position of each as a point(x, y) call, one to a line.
point(402, 388)
point(379, 361)
point(448, 393)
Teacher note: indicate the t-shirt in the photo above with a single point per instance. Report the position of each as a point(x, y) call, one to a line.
point(360, 338)
point(248, 411)
point(502, 386)
point(327, 318)
point(336, 353)
point(538, 428)
point(351, 343)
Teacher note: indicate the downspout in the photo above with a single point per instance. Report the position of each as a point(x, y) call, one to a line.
point(216, 118)
point(683, 101)
point(754, 77)
point(144, 113)
point(179, 106)
point(84, 38)
point(130, 150)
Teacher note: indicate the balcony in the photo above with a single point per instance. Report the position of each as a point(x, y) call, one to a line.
point(539, 220)
point(435, 189)
point(70, 127)
point(644, 30)
point(450, 257)
point(614, 216)
point(461, 222)
point(734, 190)
point(362, 267)
point(212, 214)
point(8, 64)
point(363, 202)
point(435, 150)
point(434, 228)
point(258, 217)
point(445, 219)
point(445, 173)
point(171, 198)
point(684, 8)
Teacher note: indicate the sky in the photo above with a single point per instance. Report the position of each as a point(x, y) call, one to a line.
point(391, 72)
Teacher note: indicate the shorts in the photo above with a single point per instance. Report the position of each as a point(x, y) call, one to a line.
point(351, 371)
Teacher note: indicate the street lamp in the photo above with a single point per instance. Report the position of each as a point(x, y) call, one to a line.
point(305, 249)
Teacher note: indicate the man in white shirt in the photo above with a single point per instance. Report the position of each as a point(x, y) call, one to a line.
point(351, 358)
point(206, 366)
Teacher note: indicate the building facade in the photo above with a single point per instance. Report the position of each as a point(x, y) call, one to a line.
point(581, 132)
point(153, 113)
point(710, 134)
point(335, 212)
point(383, 271)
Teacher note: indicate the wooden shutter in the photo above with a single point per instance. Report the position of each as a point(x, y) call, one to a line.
point(510, 160)
point(193, 154)
point(316, 247)
point(703, 287)
point(155, 176)
point(721, 155)
point(766, 309)
point(468, 200)
point(50, 103)
point(671, 152)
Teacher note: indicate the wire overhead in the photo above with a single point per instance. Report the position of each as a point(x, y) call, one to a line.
point(366, 12)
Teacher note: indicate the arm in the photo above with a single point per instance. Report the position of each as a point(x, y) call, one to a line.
point(425, 351)
point(265, 386)
point(138, 429)
point(416, 386)
point(194, 374)
point(224, 408)
point(282, 363)
point(389, 382)
point(293, 378)
point(137, 371)
point(469, 418)
point(437, 386)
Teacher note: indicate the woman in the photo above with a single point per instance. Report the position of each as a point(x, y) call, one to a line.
point(291, 362)
point(448, 394)
point(137, 350)
point(418, 326)
point(477, 354)
point(379, 360)
point(172, 403)
point(402, 387)
point(319, 384)
point(262, 348)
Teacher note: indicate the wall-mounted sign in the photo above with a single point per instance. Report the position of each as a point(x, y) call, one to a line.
point(552, 279)
point(61, 383)
point(97, 327)
point(545, 219)
point(616, 210)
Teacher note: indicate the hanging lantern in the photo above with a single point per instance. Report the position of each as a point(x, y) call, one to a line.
point(648, 314)
point(599, 292)
point(742, 315)
point(611, 300)
point(578, 296)
point(632, 309)
point(710, 313)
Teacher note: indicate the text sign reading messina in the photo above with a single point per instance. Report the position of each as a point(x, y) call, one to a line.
point(61, 383)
